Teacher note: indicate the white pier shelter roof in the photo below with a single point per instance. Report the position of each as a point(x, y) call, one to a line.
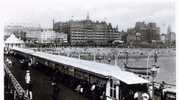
point(12, 39)
point(91, 66)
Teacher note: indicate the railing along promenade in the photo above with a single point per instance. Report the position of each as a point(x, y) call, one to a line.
point(16, 85)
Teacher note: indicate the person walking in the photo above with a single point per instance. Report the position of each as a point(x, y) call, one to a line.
point(55, 91)
point(54, 85)
point(28, 84)
point(93, 89)
point(162, 86)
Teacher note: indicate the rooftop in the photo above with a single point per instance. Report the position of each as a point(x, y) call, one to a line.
point(94, 67)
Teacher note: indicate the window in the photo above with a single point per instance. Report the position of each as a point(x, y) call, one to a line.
point(69, 70)
point(112, 89)
point(93, 79)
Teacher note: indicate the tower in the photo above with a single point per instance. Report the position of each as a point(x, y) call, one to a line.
point(169, 33)
point(117, 27)
point(53, 25)
point(87, 16)
point(168, 30)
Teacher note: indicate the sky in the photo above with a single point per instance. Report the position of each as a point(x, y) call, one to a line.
point(123, 13)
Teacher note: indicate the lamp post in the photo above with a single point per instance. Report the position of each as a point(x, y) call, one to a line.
point(127, 57)
point(94, 56)
point(154, 72)
point(148, 58)
point(115, 59)
point(79, 55)
point(155, 61)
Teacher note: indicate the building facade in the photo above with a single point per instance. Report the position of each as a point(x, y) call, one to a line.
point(144, 32)
point(171, 36)
point(35, 35)
point(87, 32)
point(22, 32)
point(163, 38)
point(46, 36)
point(148, 31)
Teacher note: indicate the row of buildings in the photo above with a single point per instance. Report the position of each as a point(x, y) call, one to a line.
point(32, 35)
point(91, 33)
point(170, 37)
point(88, 32)
point(147, 34)
point(143, 33)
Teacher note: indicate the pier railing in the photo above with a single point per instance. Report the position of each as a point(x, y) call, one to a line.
point(16, 85)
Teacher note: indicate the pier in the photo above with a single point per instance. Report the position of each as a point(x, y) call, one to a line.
point(110, 81)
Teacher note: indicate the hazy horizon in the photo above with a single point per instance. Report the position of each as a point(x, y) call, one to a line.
point(122, 13)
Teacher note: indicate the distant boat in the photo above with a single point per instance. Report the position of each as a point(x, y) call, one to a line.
point(142, 72)
point(138, 70)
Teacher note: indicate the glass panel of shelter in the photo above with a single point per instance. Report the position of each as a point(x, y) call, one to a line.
point(113, 90)
point(82, 75)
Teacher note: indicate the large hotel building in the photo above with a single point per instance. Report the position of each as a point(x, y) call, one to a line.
point(87, 32)
point(144, 32)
